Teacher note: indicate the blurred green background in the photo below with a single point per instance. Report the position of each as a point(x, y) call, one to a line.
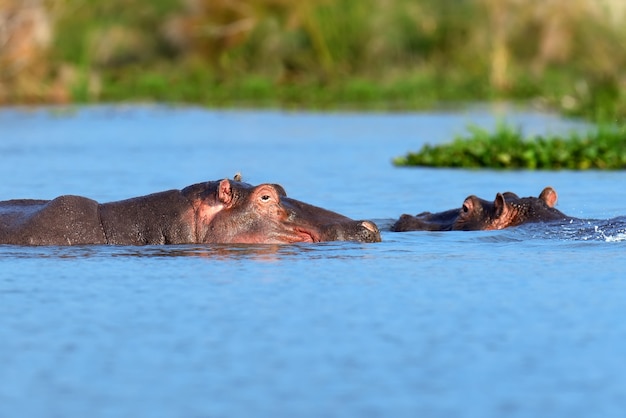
point(568, 55)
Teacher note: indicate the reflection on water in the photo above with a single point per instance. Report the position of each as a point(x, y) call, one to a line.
point(256, 252)
point(225, 252)
point(214, 252)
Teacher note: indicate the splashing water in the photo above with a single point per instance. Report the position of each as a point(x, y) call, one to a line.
point(618, 236)
point(609, 230)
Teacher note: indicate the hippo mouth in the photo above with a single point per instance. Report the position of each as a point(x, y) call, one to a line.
point(306, 235)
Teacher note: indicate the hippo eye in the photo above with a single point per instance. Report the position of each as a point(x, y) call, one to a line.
point(266, 198)
point(465, 209)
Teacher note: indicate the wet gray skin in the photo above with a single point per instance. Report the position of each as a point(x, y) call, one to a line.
point(475, 214)
point(225, 211)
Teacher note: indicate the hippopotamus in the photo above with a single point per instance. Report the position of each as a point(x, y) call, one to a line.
point(222, 211)
point(478, 214)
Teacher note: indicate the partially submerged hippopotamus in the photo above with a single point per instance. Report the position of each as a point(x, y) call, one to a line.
point(477, 214)
point(226, 211)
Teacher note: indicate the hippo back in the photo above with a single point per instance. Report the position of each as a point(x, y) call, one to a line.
point(66, 220)
point(158, 218)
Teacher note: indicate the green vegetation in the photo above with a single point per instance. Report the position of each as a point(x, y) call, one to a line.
point(506, 148)
point(362, 54)
point(567, 55)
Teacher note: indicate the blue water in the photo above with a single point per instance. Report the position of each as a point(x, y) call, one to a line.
point(525, 322)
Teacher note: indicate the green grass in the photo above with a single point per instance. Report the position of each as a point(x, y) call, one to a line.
point(506, 148)
point(319, 54)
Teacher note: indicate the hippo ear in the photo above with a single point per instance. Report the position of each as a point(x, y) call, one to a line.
point(280, 190)
point(225, 192)
point(499, 205)
point(549, 196)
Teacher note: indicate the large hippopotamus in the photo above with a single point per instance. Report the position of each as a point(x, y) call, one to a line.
point(476, 214)
point(226, 211)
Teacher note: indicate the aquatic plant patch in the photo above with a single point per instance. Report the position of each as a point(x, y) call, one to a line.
point(506, 148)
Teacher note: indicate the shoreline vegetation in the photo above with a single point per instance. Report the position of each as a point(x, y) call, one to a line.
point(567, 56)
point(507, 148)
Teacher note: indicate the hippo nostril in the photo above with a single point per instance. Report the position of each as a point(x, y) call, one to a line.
point(370, 226)
point(370, 232)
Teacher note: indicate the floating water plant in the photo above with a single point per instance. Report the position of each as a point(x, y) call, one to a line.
point(506, 148)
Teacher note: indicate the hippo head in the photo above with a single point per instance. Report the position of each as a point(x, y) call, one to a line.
point(230, 211)
point(506, 210)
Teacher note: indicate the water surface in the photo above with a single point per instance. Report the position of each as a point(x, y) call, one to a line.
point(526, 322)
